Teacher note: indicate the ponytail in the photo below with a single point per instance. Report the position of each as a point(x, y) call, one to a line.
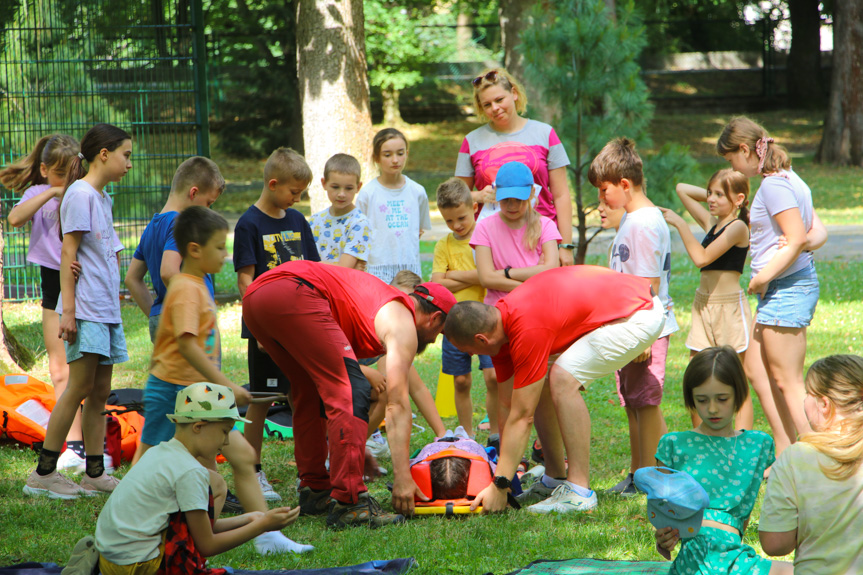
point(741, 130)
point(533, 226)
point(839, 379)
point(54, 150)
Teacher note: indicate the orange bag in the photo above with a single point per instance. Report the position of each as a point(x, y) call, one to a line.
point(25, 407)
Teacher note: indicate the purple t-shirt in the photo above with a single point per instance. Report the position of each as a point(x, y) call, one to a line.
point(507, 246)
point(537, 146)
point(466, 445)
point(97, 293)
point(45, 243)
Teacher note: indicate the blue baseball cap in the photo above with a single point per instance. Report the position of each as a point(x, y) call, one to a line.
point(674, 499)
point(513, 180)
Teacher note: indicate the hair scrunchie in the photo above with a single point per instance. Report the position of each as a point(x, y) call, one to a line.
point(761, 151)
point(80, 155)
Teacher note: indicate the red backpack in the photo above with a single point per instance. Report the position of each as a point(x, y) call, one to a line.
point(25, 406)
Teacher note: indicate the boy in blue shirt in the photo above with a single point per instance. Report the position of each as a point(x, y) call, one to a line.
point(268, 234)
point(197, 182)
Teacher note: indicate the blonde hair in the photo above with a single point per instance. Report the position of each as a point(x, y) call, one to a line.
point(453, 193)
point(53, 151)
point(618, 159)
point(284, 164)
point(506, 81)
point(839, 379)
point(741, 130)
point(343, 164)
point(406, 280)
point(732, 183)
point(533, 227)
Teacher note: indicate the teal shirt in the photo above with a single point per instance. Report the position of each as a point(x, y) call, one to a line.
point(731, 469)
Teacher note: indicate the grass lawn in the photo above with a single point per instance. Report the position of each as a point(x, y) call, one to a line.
point(45, 530)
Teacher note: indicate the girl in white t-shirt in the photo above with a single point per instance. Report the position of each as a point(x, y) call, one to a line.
point(814, 500)
point(41, 175)
point(783, 278)
point(90, 323)
point(397, 209)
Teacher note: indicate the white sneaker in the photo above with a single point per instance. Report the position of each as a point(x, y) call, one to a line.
point(535, 493)
point(269, 493)
point(108, 462)
point(378, 446)
point(564, 500)
point(460, 433)
point(70, 462)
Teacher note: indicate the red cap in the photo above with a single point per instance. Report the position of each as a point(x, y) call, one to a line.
point(437, 295)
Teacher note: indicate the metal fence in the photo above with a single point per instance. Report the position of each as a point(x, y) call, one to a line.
point(65, 66)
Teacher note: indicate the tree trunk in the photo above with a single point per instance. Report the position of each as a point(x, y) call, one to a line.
point(334, 87)
point(513, 19)
point(392, 114)
point(842, 140)
point(804, 59)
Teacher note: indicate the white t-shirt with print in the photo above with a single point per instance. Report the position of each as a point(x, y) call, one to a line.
point(349, 234)
point(396, 217)
point(642, 247)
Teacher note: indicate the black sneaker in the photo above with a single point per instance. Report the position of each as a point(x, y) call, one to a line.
point(623, 485)
point(494, 441)
point(314, 502)
point(536, 453)
point(232, 504)
point(630, 490)
point(365, 512)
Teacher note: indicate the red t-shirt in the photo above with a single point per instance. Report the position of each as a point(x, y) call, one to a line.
point(551, 310)
point(355, 297)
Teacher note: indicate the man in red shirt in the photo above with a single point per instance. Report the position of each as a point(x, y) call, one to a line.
point(598, 320)
point(315, 320)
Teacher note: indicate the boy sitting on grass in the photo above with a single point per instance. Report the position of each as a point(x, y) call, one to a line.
point(163, 516)
point(187, 350)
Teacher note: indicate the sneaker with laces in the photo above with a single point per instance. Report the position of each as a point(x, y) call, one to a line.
point(53, 485)
point(269, 493)
point(379, 447)
point(98, 485)
point(366, 511)
point(71, 462)
point(535, 493)
point(232, 504)
point(564, 500)
point(314, 502)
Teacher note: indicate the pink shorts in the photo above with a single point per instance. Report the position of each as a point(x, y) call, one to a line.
point(641, 384)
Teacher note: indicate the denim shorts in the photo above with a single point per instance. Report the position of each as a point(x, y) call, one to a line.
point(160, 398)
point(790, 301)
point(457, 362)
point(105, 339)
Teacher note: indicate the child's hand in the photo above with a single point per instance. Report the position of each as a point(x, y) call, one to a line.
point(279, 518)
point(781, 242)
point(672, 218)
point(377, 380)
point(68, 328)
point(756, 286)
point(642, 357)
point(76, 269)
point(666, 539)
point(58, 191)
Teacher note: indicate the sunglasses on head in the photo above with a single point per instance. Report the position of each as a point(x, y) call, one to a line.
point(490, 76)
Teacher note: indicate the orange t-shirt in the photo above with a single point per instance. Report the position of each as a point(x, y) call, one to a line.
point(550, 311)
point(355, 297)
point(188, 308)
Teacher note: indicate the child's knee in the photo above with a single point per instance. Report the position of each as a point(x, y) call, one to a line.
point(462, 383)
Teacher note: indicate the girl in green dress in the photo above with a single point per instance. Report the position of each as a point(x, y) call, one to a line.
point(728, 463)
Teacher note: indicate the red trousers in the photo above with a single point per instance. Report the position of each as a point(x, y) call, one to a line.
point(293, 322)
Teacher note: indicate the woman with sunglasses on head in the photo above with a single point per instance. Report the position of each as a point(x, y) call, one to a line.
point(508, 136)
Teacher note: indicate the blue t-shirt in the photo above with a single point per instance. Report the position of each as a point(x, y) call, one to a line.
point(266, 242)
point(158, 237)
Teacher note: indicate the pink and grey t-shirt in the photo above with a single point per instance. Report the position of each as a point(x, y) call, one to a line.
point(537, 146)
point(45, 242)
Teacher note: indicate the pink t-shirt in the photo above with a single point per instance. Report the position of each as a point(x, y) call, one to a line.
point(507, 246)
point(537, 146)
point(45, 242)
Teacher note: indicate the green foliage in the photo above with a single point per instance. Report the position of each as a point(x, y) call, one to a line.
point(254, 89)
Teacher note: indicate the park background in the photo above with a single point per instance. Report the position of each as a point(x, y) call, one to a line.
point(234, 79)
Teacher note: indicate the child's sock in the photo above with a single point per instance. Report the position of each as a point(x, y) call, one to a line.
point(95, 465)
point(550, 481)
point(583, 491)
point(275, 542)
point(47, 462)
point(77, 447)
point(258, 468)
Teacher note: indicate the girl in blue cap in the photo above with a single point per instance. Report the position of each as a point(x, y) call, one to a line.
point(728, 463)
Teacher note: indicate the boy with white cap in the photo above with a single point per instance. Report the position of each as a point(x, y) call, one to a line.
point(163, 515)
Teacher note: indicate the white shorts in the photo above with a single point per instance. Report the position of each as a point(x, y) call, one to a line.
point(611, 346)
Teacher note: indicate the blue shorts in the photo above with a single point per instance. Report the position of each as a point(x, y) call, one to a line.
point(160, 398)
point(457, 362)
point(790, 301)
point(104, 339)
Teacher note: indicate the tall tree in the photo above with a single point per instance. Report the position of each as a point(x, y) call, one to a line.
point(585, 60)
point(514, 18)
point(804, 59)
point(842, 139)
point(334, 87)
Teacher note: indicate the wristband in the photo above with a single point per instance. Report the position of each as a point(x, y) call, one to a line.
point(566, 246)
point(506, 272)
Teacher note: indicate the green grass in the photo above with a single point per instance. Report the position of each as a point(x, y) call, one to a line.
point(46, 530)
